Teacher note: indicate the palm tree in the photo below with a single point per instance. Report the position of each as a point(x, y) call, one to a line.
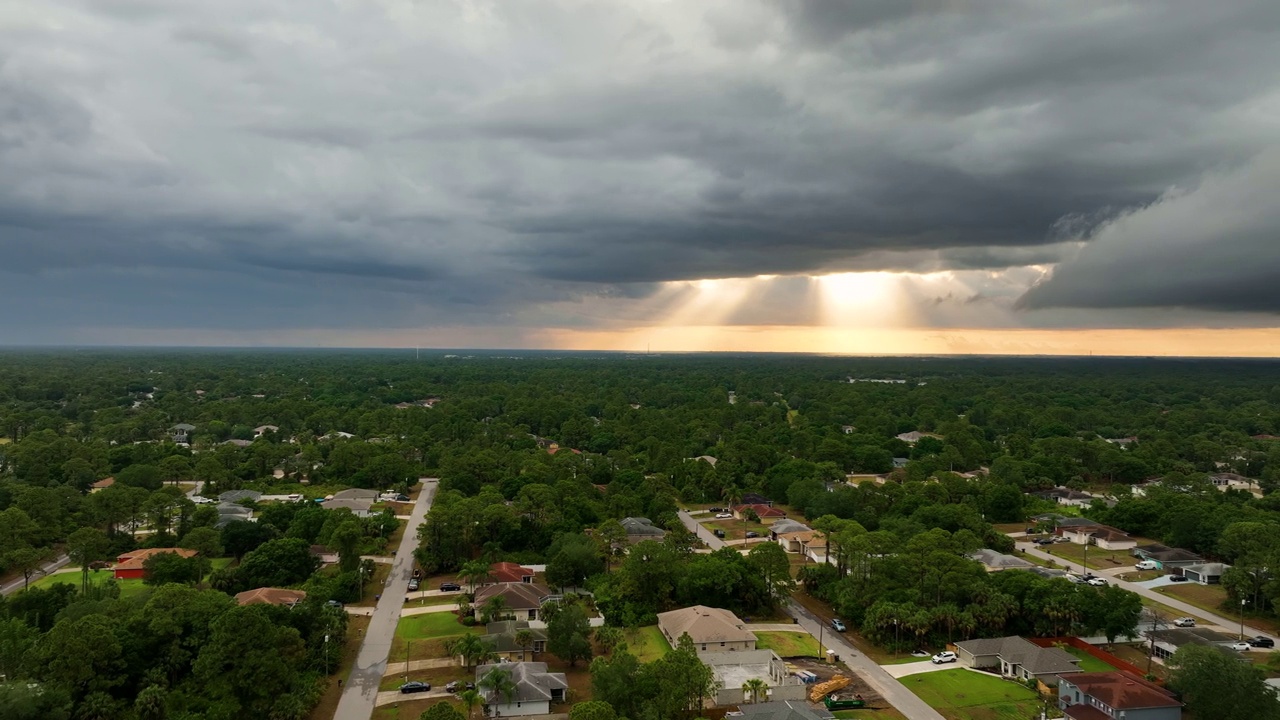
point(756, 687)
point(498, 682)
point(470, 647)
point(474, 572)
point(493, 609)
point(469, 698)
point(524, 638)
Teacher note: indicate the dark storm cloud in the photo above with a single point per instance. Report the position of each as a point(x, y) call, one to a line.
point(476, 161)
point(1215, 247)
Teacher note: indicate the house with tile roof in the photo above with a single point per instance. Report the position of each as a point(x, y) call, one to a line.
point(711, 629)
point(101, 485)
point(509, 572)
point(1015, 657)
point(766, 514)
point(1115, 695)
point(523, 599)
point(501, 636)
point(132, 565)
point(271, 596)
point(536, 689)
point(996, 561)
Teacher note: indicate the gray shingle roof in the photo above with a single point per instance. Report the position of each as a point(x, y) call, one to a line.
point(533, 682)
point(1016, 650)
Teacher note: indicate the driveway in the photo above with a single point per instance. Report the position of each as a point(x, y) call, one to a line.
point(915, 668)
point(1217, 622)
point(360, 695)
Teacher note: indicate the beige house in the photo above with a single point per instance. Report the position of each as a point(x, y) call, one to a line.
point(711, 629)
point(1017, 658)
point(271, 596)
point(1105, 537)
point(734, 669)
point(521, 599)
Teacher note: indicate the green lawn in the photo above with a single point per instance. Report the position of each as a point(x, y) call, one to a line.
point(966, 695)
point(128, 588)
point(1089, 663)
point(788, 644)
point(646, 643)
point(430, 625)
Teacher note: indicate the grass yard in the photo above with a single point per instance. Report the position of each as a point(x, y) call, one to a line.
point(128, 588)
point(407, 709)
point(1136, 654)
point(788, 644)
point(646, 643)
point(885, 714)
point(1211, 598)
point(1099, 559)
point(737, 529)
point(966, 695)
point(430, 625)
point(1089, 663)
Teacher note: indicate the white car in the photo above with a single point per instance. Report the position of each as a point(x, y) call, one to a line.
point(1097, 582)
point(1240, 647)
point(1147, 565)
point(722, 516)
point(1185, 622)
point(201, 500)
point(946, 656)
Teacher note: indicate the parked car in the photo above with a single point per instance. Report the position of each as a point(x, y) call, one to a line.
point(1240, 646)
point(417, 572)
point(753, 534)
point(1147, 565)
point(1177, 578)
point(1185, 622)
point(723, 515)
point(718, 533)
point(1261, 641)
point(946, 656)
point(837, 624)
point(334, 604)
point(402, 498)
point(1097, 582)
point(1073, 578)
point(450, 587)
point(1062, 540)
point(413, 686)
point(716, 509)
point(413, 584)
point(1044, 541)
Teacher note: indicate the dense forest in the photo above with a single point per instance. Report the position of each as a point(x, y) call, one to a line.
point(537, 457)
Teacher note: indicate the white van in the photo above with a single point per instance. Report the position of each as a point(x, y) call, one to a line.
point(1147, 565)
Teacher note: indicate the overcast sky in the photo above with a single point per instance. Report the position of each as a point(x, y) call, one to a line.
point(498, 173)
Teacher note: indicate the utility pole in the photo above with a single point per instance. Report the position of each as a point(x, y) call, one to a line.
point(896, 637)
point(1242, 602)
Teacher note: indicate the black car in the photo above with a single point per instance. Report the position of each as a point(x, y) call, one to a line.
point(1044, 541)
point(413, 584)
point(450, 587)
point(456, 685)
point(1262, 641)
point(715, 509)
point(1177, 578)
point(718, 533)
point(414, 686)
point(753, 534)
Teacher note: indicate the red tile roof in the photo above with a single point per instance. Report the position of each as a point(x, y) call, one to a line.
point(103, 483)
point(509, 572)
point(1123, 691)
point(271, 596)
point(136, 559)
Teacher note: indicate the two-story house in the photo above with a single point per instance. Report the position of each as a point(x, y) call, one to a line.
point(1115, 696)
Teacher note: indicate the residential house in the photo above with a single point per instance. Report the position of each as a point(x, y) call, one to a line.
point(271, 596)
point(356, 494)
point(753, 498)
point(996, 561)
point(535, 689)
point(733, 669)
point(237, 443)
point(324, 554)
point(502, 637)
point(264, 429)
point(1017, 658)
point(766, 514)
point(1104, 536)
point(711, 629)
point(360, 508)
point(915, 436)
point(509, 572)
point(1122, 442)
point(524, 600)
point(231, 512)
point(900, 462)
point(640, 529)
point(783, 710)
point(847, 429)
point(1115, 695)
point(704, 458)
point(181, 433)
point(131, 565)
point(795, 542)
point(235, 496)
point(786, 526)
point(1166, 641)
point(101, 485)
point(1047, 573)
point(1165, 557)
point(814, 547)
point(1232, 481)
point(1205, 573)
point(1066, 496)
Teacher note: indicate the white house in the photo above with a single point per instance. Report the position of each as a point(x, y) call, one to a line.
point(535, 689)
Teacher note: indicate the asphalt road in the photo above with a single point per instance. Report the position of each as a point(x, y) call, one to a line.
point(55, 564)
point(360, 694)
point(894, 692)
point(1219, 622)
